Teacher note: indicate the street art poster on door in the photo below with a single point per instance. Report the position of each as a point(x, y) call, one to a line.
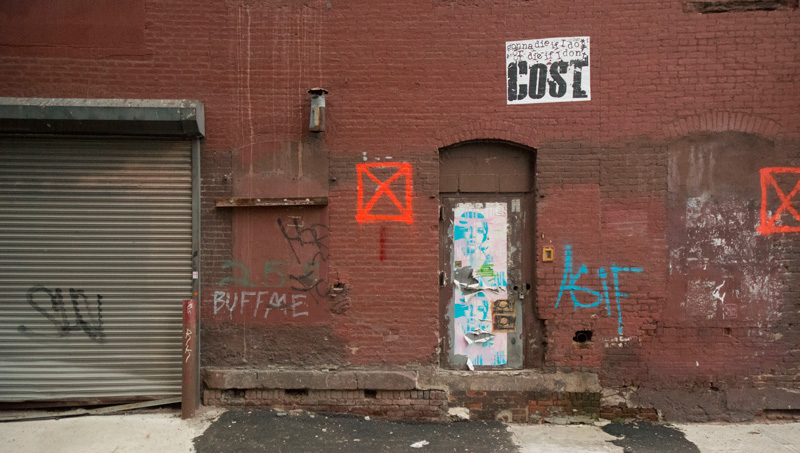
point(548, 70)
point(482, 314)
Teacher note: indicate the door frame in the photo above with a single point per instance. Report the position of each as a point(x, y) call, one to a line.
point(519, 270)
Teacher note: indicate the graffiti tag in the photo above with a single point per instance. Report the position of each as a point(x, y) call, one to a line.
point(297, 235)
point(85, 319)
point(187, 351)
point(401, 175)
point(245, 301)
point(768, 222)
point(569, 283)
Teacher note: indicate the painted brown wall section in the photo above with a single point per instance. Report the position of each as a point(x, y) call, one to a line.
point(661, 185)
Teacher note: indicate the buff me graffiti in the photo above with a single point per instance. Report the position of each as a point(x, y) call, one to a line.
point(264, 298)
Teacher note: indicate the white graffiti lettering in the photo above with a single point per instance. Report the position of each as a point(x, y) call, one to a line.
point(264, 302)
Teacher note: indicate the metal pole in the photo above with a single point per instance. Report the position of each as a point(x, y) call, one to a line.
point(189, 387)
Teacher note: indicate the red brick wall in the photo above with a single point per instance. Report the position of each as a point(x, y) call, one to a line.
point(391, 268)
point(416, 404)
point(406, 78)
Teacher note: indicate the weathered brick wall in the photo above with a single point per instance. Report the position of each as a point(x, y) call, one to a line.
point(406, 78)
point(414, 404)
point(217, 235)
point(389, 268)
point(527, 406)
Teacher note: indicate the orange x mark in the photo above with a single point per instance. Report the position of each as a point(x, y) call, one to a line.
point(364, 213)
point(768, 222)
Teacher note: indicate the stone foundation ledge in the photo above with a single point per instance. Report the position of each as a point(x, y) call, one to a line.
point(226, 378)
point(396, 404)
point(419, 378)
point(410, 393)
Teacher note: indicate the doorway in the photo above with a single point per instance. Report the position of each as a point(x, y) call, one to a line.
point(487, 299)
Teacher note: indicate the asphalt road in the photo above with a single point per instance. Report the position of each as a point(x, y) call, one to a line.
point(265, 430)
point(644, 437)
point(252, 430)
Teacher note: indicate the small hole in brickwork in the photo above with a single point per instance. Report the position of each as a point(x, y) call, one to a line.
point(582, 336)
point(727, 331)
point(370, 393)
point(296, 392)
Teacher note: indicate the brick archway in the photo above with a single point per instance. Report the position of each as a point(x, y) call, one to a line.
point(723, 121)
point(488, 130)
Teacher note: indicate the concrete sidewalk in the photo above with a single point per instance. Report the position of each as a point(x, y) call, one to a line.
point(252, 429)
point(161, 431)
point(646, 437)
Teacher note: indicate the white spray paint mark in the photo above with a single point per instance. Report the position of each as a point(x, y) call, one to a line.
point(716, 293)
point(723, 238)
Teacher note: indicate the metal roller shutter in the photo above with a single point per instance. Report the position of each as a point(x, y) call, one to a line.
point(95, 261)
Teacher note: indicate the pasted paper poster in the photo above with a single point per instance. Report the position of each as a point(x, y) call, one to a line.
point(548, 70)
point(480, 265)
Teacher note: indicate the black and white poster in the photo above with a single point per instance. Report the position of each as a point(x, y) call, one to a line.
point(548, 70)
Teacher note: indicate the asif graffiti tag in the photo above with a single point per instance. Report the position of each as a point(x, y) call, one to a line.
point(569, 283)
point(365, 212)
point(87, 320)
point(768, 222)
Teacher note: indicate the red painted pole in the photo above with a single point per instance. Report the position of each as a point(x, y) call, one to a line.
point(189, 386)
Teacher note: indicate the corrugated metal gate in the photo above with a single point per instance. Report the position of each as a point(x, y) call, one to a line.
point(95, 261)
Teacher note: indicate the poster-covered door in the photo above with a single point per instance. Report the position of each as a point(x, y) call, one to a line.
point(482, 281)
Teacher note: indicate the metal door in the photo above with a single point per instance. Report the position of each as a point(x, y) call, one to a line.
point(482, 279)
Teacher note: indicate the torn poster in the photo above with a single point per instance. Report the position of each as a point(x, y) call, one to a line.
point(478, 337)
point(480, 248)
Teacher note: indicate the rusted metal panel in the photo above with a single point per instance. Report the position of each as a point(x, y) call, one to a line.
point(270, 202)
point(95, 261)
point(280, 281)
